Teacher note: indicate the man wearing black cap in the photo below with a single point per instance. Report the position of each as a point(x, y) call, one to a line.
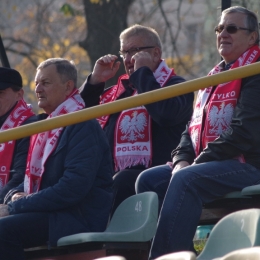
point(13, 112)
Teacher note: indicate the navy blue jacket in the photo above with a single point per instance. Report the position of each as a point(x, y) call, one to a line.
point(76, 184)
point(169, 117)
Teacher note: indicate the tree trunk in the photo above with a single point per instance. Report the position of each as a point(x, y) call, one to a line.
point(105, 21)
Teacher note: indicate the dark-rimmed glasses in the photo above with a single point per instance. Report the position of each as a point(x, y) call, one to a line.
point(133, 51)
point(231, 29)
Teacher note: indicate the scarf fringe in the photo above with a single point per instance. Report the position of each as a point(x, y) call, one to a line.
point(122, 162)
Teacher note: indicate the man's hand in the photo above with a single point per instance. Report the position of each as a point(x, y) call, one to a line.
point(104, 69)
point(4, 210)
point(18, 195)
point(142, 59)
point(180, 165)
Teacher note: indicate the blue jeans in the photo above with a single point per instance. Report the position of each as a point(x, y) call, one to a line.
point(155, 179)
point(188, 189)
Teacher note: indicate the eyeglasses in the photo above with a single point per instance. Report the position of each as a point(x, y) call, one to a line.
point(133, 51)
point(231, 29)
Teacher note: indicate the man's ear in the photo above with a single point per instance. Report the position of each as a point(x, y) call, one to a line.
point(20, 94)
point(252, 38)
point(157, 54)
point(69, 87)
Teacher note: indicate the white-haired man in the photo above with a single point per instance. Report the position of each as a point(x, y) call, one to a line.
point(68, 178)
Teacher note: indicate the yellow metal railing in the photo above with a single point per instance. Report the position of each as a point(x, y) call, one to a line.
point(119, 105)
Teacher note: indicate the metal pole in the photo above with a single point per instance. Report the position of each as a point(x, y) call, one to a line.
point(3, 55)
point(125, 103)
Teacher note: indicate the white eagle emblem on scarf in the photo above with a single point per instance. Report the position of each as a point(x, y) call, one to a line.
point(220, 118)
point(132, 128)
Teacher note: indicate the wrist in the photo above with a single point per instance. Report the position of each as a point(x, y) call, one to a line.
point(94, 80)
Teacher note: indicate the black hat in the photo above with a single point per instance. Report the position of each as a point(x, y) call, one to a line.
point(10, 78)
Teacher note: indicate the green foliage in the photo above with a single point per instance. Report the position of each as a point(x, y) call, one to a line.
point(68, 10)
point(199, 245)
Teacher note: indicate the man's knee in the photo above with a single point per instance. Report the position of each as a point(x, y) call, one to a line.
point(6, 227)
point(144, 182)
point(154, 179)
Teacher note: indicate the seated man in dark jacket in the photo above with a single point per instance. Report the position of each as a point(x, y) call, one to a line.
point(68, 178)
point(220, 150)
point(13, 112)
point(144, 136)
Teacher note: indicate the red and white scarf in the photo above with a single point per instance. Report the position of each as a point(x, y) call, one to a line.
point(214, 108)
point(43, 144)
point(19, 114)
point(132, 141)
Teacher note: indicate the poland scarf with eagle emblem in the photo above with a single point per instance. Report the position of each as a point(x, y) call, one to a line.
point(132, 139)
point(43, 144)
point(213, 110)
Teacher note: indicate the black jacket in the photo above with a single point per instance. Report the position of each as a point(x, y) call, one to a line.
point(17, 168)
point(242, 137)
point(169, 117)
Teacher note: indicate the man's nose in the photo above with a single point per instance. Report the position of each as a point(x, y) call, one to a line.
point(38, 88)
point(224, 33)
point(128, 56)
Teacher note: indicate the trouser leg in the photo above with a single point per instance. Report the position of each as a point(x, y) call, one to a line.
point(22, 231)
point(188, 190)
point(124, 186)
point(155, 179)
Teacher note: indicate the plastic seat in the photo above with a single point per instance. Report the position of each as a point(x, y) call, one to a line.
point(235, 195)
point(111, 258)
point(252, 253)
point(135, 220)
point(235, 231)
point(185, 255)
point(251, 190)
point(213, 211)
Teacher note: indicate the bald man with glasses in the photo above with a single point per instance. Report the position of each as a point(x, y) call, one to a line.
point(219, 151)
point(139, 137)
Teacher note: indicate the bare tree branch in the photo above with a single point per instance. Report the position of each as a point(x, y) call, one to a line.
point(174, 38)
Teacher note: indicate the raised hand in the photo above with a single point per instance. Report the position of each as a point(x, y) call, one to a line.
point(104, 69)
point(142, 59)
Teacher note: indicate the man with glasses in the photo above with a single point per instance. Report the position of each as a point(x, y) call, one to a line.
point(139, 137)
point(219, 151)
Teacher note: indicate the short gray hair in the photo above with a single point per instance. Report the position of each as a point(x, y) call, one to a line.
point(149, 35)
point(65, 68)
point(251, 18)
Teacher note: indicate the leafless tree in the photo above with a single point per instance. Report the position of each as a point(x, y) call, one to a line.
point(105, 20)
